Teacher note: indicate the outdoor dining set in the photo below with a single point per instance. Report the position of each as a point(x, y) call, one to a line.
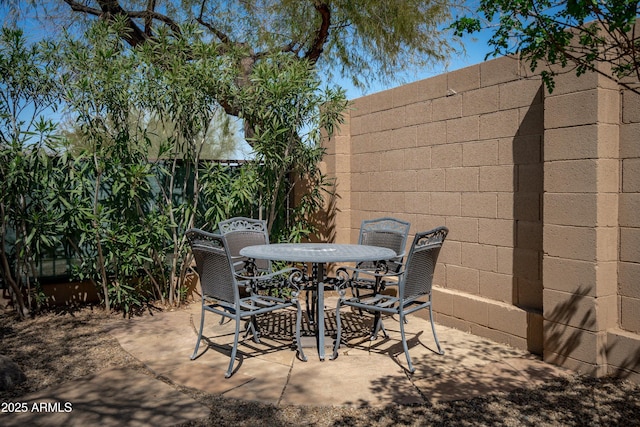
point(376, 277)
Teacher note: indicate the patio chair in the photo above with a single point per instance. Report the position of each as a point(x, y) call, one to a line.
point(220, 290)
point(414, 289)
point(241, 232)
point(385, 232)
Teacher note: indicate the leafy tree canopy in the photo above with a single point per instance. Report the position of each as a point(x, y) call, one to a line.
point(575, 34)
point(364, 40)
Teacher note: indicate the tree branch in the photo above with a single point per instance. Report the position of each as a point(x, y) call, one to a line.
point(151, 15)
point(595, 69)
point(322, 33)
point(289, 47)
point(148, 21)
point(77, 7)
point(111, 8)
point(224, 38)
point(136, 35)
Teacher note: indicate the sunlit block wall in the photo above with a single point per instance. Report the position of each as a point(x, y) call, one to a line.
point(543, 248)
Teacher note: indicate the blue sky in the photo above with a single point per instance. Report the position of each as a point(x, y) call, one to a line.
point(476, 50)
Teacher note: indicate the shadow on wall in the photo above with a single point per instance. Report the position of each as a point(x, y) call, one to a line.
point(629, 365)
point(325, 219)
point(558, 343)
point(565, 328)
point(528, 187)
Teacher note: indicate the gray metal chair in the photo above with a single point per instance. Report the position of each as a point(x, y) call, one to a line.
point(415, 282)
point(385, 232)
point(220, 289)
point(241, 232)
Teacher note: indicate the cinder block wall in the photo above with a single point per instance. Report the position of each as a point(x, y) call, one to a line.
point(581, 182)
point(629, 212)
point(623, 346)
point(529, 185)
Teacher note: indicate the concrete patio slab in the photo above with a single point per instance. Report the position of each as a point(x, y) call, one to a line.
point(113, 397)
point(501, 376)
point(366, 373)
point(203, 377)
point(362, 380)
point(269, 381)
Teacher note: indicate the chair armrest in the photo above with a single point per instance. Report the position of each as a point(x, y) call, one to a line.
point(291, 278)
point(397, 263)
point(349, 276)
point(268, 276)
point(238, 261)
point(354, 272)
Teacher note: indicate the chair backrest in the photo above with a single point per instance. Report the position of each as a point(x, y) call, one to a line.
point(214, 266)
point(388, 233)
point(241, 232)
point(417, 279)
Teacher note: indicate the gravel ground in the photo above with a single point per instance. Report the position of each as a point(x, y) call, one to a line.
point(578, 401)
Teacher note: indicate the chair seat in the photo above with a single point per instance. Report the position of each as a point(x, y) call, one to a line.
point(252, 305)
point(259, 304)
point(385, 303)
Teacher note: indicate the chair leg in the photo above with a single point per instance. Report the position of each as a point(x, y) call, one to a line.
point(253, 326)
point(310, 306)
point(248, 329)
point(298, 328)
point(336, 345)
point(222, 317)
point(433, 329)
point(234, 349)
point(377, 327)
point(356, 292)
point(195, 352)
point(404, 344)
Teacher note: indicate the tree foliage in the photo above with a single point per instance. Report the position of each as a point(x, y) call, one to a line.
point(365, 40)
point(176, 81)
point(121, 201)
point(30, 215)
point(576, 34)
point(144, 83)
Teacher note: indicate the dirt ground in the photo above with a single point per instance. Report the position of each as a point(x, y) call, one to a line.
point(61, 346)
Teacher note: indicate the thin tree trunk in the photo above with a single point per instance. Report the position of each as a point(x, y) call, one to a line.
point(22, 309)
point(25, 251)
point(276, 190)
point(6, 268)
point(96, 226)
point(169, 199)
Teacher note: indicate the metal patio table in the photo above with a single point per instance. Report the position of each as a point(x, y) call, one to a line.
point(318, 254)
